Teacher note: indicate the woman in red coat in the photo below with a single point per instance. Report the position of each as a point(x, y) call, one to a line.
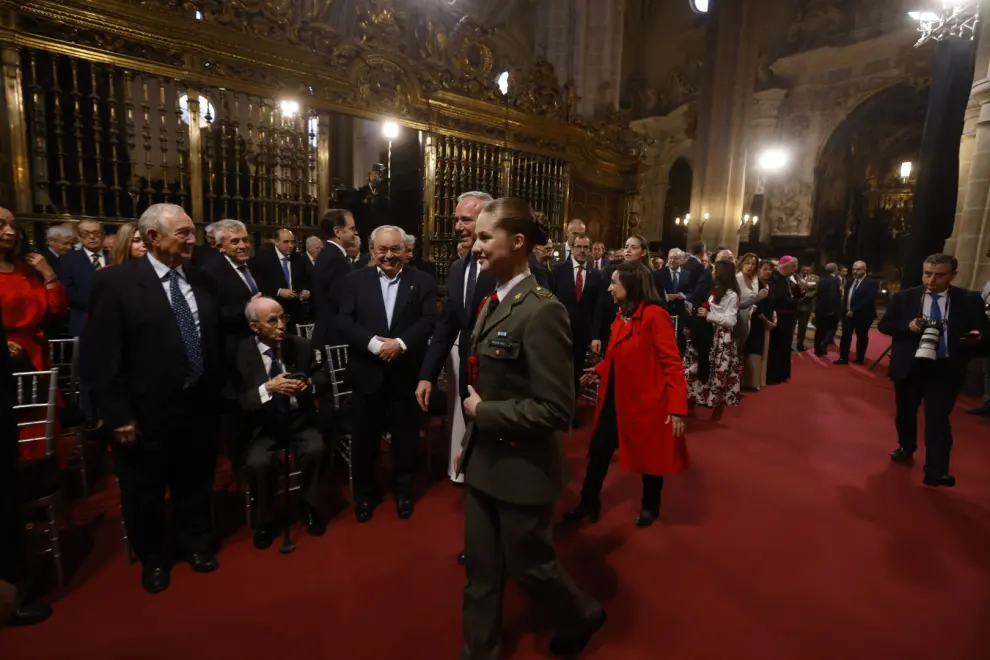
point(643, 397)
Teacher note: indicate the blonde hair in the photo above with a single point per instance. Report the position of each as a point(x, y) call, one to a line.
point(120, 253)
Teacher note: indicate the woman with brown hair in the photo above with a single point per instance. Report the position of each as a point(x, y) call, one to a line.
point(636, 250)
point(762, 321)
point(643, 397)
point(750, 294)
point(129, 245)
point(716, 384)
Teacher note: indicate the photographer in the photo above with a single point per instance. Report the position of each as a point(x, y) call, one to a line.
point(936, 329)
point(983, 410)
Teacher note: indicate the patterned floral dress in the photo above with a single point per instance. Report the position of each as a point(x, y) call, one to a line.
point(723, 384)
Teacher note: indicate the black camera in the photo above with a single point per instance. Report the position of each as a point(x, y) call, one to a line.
point(925, 323)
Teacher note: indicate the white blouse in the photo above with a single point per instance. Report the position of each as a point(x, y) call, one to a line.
point(724, 313)
point(749, 293)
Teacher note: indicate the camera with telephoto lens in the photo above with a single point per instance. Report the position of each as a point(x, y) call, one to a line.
point(931, 331)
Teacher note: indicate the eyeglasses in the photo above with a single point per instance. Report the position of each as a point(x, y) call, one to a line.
point(90, 234)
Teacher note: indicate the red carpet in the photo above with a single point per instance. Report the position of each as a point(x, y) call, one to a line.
point(792, 538)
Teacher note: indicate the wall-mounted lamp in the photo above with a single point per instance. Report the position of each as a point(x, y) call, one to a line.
point(748, 221)
point(677, 220)
point(906, 168)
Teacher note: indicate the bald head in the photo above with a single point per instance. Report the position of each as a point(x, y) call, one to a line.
point(575, 228)
point(267, 320)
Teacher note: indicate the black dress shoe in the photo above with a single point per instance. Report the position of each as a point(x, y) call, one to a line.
point(462, 558)
point(155, 578)
point(582, 511)
point(982, 411)
point(647, 517)
point(363, 511)
point(264, 536)
point(203, 562)
point(840, 361)
point(404, 507)
point(859, 361)
point(29, 614)
point(946, 480)
point(901, 455)
point(562, 646)
point(315, 525)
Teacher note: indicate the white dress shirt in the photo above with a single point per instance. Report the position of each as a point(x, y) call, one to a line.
point(240, 273)
point(726, 312)
point(162, 271)
point(266, 396)
point(503, 290)
point(90, 254)
point(575, 267)
point(390, 291)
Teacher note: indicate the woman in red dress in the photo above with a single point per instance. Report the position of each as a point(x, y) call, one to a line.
point(642, 400)
point(30, 293)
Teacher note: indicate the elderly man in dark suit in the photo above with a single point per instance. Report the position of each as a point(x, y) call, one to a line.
point(274, 377)
point(75, 270)
point(282, 275)
point(828, 306)
point(859, 308)
point(935, 329)
point(387, 316)
point(157, 365)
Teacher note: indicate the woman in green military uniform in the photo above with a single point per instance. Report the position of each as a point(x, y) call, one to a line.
point(521, 399)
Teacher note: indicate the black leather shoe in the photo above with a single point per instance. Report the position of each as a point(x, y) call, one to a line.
point(264, 536)
point(363, 511)
point(946, 480)
point(462, 558)
point(203, 562)
point(582, 511)
point(315, 525)
point(404, 508)
point(647, 517)
point(29, 614)
point(562, 646)
point(901, 455)
point(155, 578)
point(982, 411)
point(840, 361)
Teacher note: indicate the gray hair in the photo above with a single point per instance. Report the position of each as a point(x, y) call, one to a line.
point(210, 228)
point(410, 241)
point(477, 194)
point(942, 259)
point(313, 240)
point(224, 227)
point(58, 232)
point(251, 309)
point(675, 253)
point(374, 232)
point(154, 217)
point(831, 268)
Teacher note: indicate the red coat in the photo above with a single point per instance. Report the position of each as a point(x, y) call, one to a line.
point(649, 385)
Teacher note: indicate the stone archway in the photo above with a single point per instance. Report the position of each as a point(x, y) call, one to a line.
point(861, 203)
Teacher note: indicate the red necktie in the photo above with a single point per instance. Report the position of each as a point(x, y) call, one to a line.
point(579, 284)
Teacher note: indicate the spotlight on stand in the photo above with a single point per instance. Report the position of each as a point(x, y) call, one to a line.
point(955, 18)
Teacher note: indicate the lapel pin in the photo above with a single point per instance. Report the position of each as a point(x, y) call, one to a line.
point(518, 296)
point(502, 333)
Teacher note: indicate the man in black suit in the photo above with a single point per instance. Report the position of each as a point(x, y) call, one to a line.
point(280, 411)
point(700, 282)
point(357, 258)
point(828, 307)
point(598, 261)
point(577, 288)
point(156, 363)
point(673, 281)
point(418, 263)
point(15, 610)
point(329, 274)
point(935, 328)
point(204, 254)
point(282, 275)
point(60, 240)
point(387, 317)
point(75, 270)
point(859, 307)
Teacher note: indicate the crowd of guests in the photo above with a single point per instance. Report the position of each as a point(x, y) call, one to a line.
point(526, 326)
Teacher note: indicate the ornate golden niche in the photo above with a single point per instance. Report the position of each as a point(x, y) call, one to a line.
point(131, 102)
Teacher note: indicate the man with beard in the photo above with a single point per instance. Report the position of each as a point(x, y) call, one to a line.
point(466, 288)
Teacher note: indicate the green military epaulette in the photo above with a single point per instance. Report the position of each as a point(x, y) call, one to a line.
point(544, 292)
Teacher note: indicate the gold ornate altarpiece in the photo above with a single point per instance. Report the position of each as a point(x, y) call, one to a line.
point(99, 97)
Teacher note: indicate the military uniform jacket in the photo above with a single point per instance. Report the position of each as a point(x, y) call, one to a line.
point(513, 449)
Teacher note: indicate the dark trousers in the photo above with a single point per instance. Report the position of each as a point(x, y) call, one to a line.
point(581, 347)
point(933, 383)
point(513, 540)
point(825, 327)
point(860, 328)
point(803, 318)
point(779, 352)
point(604, 442)
point(182, 460)
point(12, 558)
point(392, 408)
point(306, 443)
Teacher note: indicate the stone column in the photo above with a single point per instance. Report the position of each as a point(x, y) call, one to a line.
point(720, 172)
point(972, 230)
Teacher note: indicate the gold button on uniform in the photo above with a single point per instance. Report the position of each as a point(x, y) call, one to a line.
point(498, 352)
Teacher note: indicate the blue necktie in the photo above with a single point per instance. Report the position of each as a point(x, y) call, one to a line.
point(280, 401)
point(187, 328)
point(936, 315)
point(285, 271)
point(250, 280)
point(472, 281)
point(675, 280)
